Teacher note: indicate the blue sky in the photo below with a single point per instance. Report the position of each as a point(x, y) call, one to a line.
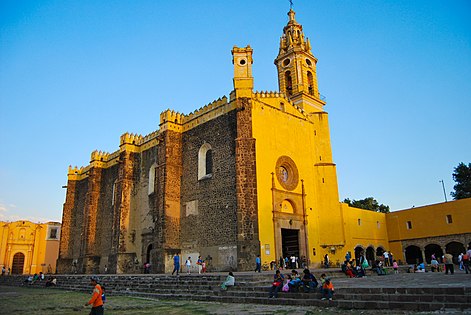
point(75, 75)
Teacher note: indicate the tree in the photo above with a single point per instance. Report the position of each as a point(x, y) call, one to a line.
point(462, 177)
point(368, 204)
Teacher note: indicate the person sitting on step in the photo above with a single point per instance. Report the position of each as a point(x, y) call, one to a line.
point(309, 281)
point(295, 282)
point(230, 281)
point(327, 290)
point(277, 284)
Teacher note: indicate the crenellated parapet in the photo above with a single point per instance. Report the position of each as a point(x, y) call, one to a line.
point(77, 173)
point(207, 109)
point(263, 94)
point(274, 98)
point(130, 138)
point(171, 116)
point(130, 142)
point(171, 120)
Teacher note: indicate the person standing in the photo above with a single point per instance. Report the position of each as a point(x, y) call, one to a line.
point(326, 261)
point(467, 260)
point(258, 264)
point(460, 261)
point(176, 264)
point(200, 264)
point(293, 262)
point(448, 260)
point(395, 266)
point(188, 265)
point(3, 270)
point(96, 300)
point(386, 258)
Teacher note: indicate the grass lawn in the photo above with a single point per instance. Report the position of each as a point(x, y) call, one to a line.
point(27, 300)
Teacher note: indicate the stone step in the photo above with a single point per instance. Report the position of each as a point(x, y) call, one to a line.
point(346, 304)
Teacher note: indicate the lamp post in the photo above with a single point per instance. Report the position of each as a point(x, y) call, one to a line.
point(443, 185)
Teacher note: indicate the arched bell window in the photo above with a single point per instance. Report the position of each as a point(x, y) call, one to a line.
point(310, 82)
point(289, 83)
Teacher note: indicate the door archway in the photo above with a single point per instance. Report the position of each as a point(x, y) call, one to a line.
point(431, 249)
point(455, 248)
point(18, 264)
point(370, 254)
point(413, 255)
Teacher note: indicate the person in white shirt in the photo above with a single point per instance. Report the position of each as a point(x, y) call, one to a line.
point(188, 265)
point(386, 258)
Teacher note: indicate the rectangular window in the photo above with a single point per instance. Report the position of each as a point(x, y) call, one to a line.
point(409, 225)
point(449, 219)
point(53, 233)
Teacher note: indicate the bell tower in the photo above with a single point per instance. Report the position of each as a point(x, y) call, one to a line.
point(296, 65)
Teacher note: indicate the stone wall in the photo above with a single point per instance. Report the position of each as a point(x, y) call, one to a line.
point(74, 207)
point(208, 224)
point(248, 243)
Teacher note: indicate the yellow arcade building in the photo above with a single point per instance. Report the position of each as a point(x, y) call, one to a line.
point(249, 174)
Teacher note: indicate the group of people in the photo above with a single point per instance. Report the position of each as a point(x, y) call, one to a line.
point(50, 282)
point(188, 265)
point(464, 263)
point(295, 283)
point(6, 272)
point(289, 262)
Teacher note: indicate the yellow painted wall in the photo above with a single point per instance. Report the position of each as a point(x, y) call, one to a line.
point(34, 241)
point(306, 141)
point(364, 228)
point(429, 221)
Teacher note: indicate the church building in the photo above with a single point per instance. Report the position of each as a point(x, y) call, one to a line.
point(246, 175)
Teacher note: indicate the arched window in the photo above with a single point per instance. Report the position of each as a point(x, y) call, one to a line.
point(289, 83)
point(205, 161)
point(152, 177)
point(310, 82)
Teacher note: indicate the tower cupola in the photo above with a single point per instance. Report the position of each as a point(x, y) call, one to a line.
point(296, 65)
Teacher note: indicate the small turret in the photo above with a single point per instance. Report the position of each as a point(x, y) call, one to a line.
point(243, 80)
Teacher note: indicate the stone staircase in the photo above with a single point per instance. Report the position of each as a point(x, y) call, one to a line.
point(254, 288)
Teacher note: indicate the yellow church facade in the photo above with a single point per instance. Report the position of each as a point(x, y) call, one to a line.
point(246, 175)
point(28, 248)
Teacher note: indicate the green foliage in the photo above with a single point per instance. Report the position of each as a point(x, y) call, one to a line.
point(462, 177)
point(368, 204)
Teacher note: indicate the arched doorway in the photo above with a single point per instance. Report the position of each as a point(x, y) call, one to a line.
point(455, 248)
point(370, 254)
point(149, 249)
point(433, 249)
point(379, 252)
point(18, 264)
point(413, 255)
point(358, 252)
